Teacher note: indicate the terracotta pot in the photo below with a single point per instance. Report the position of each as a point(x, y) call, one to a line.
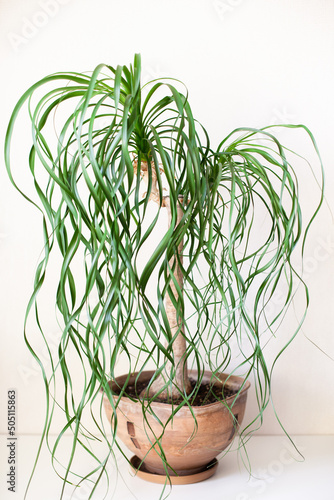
point(188, 445)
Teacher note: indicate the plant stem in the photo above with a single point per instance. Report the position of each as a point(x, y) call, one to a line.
point(174, 378)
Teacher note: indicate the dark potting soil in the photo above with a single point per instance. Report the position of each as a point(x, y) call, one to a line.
point(206, 393)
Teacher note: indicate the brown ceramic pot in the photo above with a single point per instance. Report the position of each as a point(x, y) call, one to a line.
point(188, 445)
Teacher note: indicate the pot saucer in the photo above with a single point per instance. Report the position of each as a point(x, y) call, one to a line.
point(142, 472)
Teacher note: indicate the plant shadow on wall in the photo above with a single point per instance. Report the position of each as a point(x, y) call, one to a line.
point(170, 252)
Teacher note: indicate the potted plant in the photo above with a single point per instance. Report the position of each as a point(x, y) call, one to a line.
point(171, 251)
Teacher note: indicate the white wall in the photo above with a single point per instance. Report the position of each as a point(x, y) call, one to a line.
point(246, 63)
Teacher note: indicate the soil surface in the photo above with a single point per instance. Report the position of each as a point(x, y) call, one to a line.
point(206, 394)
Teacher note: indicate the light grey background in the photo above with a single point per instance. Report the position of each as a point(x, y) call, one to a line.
point(245, 63)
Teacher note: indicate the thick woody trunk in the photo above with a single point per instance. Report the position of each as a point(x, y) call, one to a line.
point(174, 378)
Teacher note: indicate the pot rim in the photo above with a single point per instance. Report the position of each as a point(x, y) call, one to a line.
point(246, 383)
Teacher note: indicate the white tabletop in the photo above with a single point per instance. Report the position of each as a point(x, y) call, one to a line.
point(276, 474)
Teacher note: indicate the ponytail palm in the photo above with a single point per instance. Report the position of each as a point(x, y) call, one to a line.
point(171, 249)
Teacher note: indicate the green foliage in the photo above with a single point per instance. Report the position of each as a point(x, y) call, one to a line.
point(241, 223)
